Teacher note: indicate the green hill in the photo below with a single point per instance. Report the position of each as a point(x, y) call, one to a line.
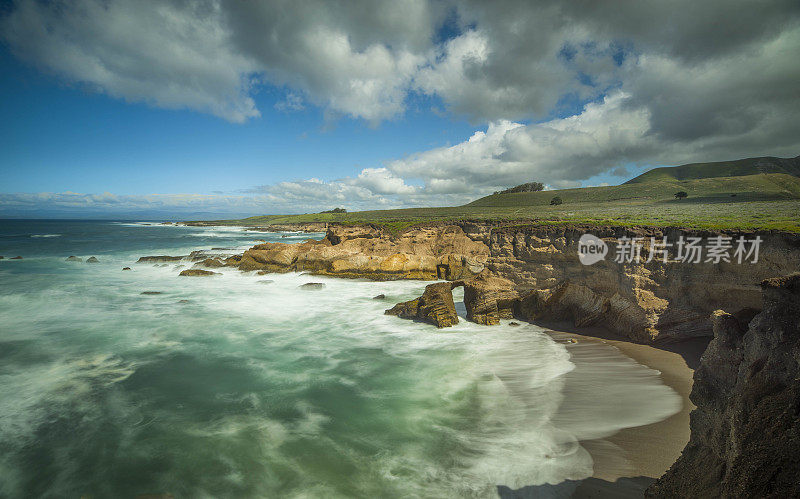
point(748, 197)
point(738, 168)
point(763, 187)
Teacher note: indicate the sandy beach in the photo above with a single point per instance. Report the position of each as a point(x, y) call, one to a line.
point(628, 461)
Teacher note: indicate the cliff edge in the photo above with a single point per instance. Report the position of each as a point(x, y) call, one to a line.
point(745, 432)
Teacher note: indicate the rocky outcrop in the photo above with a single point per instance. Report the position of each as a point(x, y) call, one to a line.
point(745, 432)
point(435, 306)
point(159, 259)
point(542, 278)
point(312, 286)
point(489, 298)
point(74, 259)
point(211, 263)
point(646, 301)
point(92, 259)
point(197, 273)
point(368, 252)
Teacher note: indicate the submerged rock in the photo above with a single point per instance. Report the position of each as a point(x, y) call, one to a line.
point(151, 292)
point(92, 259)
point(160, 258)
point(15, 258)
point(126, 268)
point(310, 286)
point(379, 297)
point(265, 281)
point(197, 273)
point(74, 259)
point(184, 302)
point(434, 306)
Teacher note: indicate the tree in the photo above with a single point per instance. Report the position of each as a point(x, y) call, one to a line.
point(556, 201)
point(681, 194)
point(528, 187)
point(335, 210)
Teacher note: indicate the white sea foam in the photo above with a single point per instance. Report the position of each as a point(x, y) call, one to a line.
point(271, 373)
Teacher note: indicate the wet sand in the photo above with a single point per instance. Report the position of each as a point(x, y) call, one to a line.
point(628, 461)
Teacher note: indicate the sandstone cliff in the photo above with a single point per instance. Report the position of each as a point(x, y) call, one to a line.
point(533, 272)
point(426, 253)
point(745, 432)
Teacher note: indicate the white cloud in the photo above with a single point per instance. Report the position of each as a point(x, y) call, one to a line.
point(155, 52)
point(665, 83)
point(382, 181)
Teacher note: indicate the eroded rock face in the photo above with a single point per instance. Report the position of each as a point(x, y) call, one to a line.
point(435, 306)
point(426, 253)
point(745, 432)
point(489, 299)
point(646, 302)
point(211, 263)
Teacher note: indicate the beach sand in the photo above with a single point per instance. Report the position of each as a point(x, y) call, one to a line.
point(627, 462)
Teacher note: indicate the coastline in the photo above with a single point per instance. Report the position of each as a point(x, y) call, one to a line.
point(626, 462)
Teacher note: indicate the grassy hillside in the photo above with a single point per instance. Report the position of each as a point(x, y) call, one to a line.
point(763, 187)
point(766, 201)
point(741, 167)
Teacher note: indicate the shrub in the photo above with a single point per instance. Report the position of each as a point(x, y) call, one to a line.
point(681, 194)
point(335, 210)
point(556, 201)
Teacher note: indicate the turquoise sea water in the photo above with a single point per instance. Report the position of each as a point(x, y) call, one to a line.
point(232, 386)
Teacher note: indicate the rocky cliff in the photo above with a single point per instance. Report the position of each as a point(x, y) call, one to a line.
point(533, 272)
point(745, 432)
point(427, 253)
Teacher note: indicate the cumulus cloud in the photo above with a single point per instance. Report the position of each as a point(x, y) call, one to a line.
point(161, 53)
point(559, 91)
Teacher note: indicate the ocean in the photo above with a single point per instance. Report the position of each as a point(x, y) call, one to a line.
point(242, 385)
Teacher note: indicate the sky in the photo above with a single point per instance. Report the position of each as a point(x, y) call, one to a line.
point(219, 108)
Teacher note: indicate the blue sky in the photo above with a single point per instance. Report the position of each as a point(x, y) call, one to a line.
point(81, 140)
point(121, 109)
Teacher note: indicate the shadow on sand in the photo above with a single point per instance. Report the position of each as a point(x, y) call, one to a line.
point(590, 487)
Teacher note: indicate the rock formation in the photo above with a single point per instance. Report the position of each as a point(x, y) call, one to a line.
point(435, 306)
point(211, 263)
point(159, 259)
point(489, 299)
point(312, 286)
point(540, 275)
point(366, 252)
point(197, 273)
point(74, 259)
point(92, 259)
point(745, 432)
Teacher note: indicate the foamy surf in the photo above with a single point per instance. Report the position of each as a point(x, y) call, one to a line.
point(233, 386)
